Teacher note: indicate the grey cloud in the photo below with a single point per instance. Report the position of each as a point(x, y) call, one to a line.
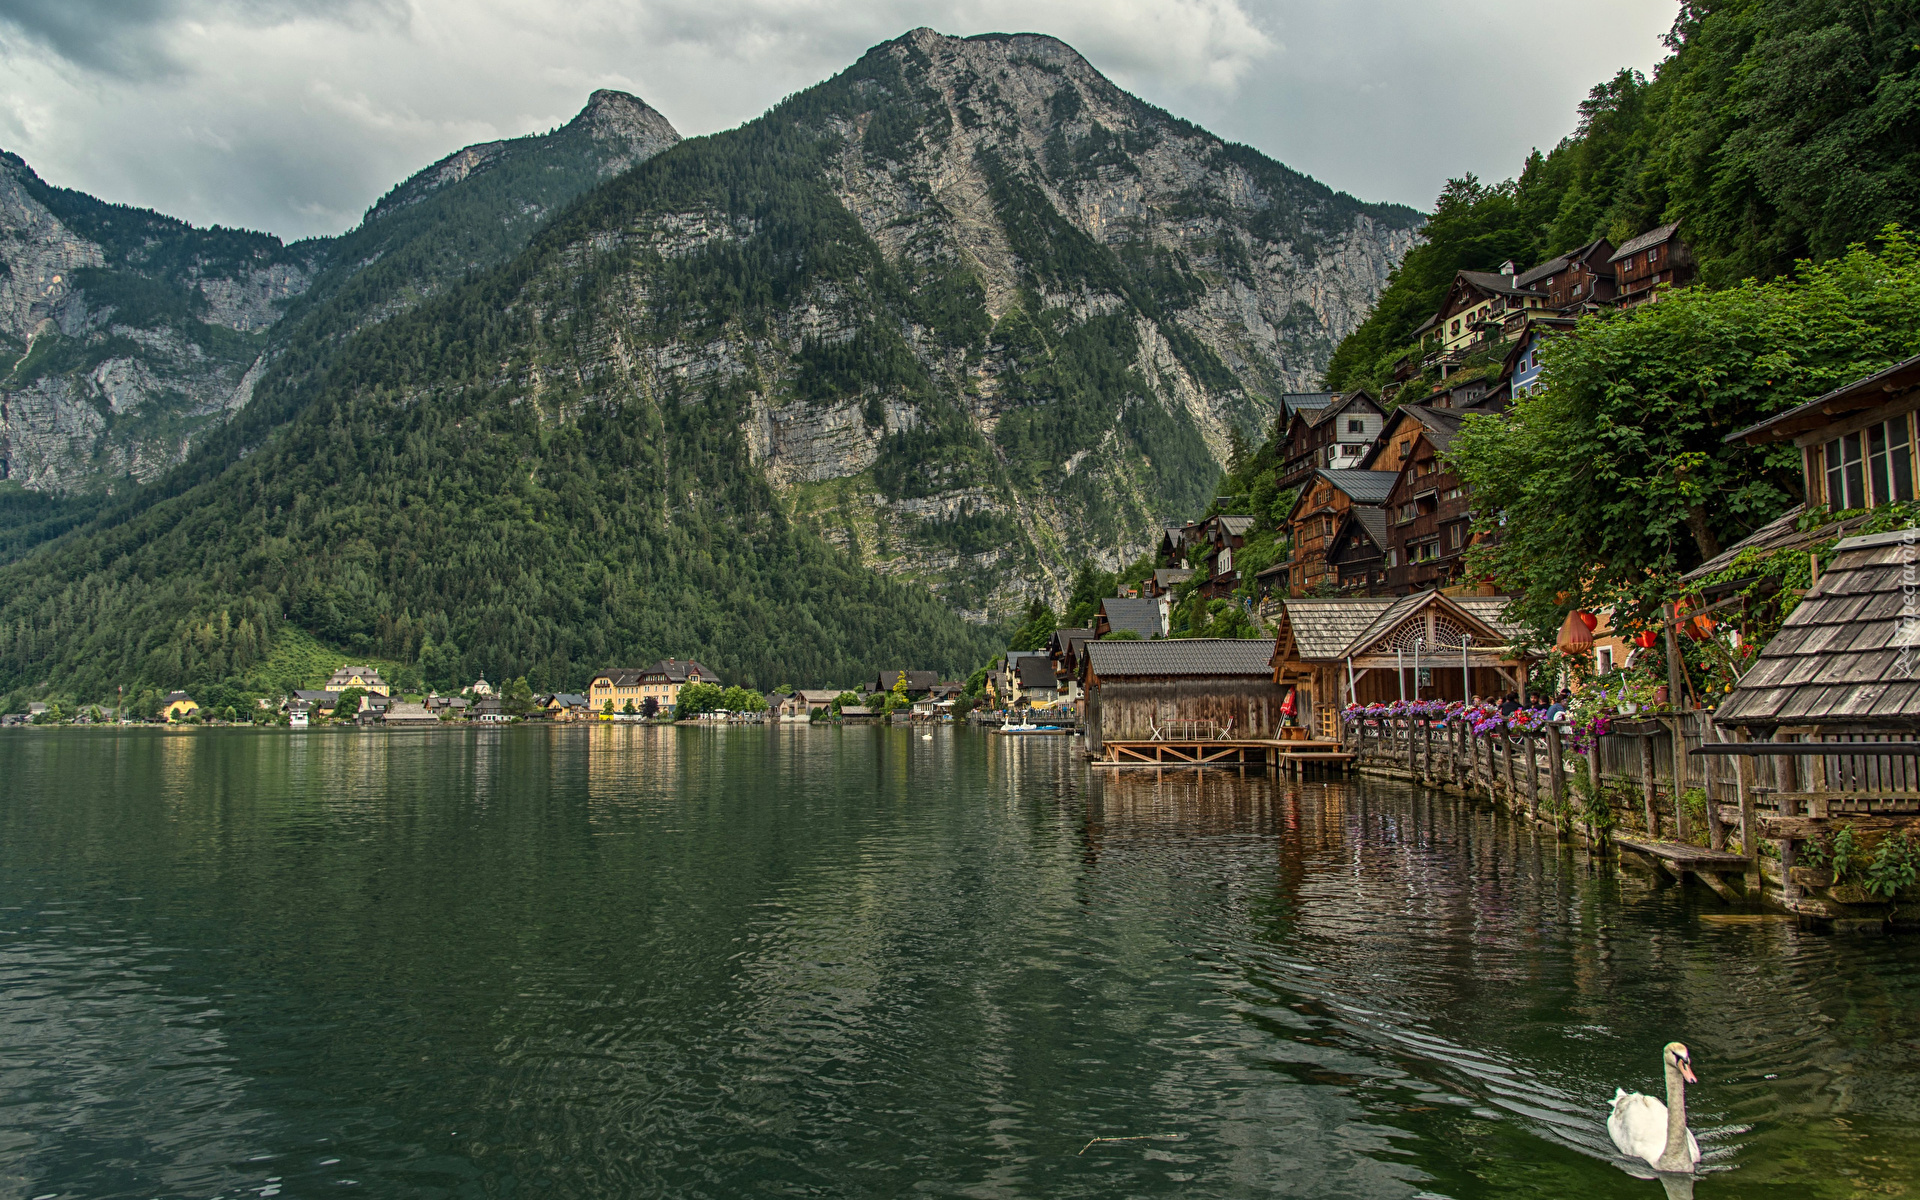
point(123, 37)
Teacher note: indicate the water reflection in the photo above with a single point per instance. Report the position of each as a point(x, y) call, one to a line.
point(617, 959)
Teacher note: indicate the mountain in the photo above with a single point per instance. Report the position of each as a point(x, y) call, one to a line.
point(785, 398)
point(129, 335)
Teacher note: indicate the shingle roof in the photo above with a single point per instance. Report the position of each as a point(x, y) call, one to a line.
point(1365, 487)
point(1182, 656)
point(1235, 526)
point(1168, 577)
point(1870, 392)
point(1839, 657)
point(1037, 673)
point(1334, 627)
point(1554, 265)
point(1293, 402)
point(1325, 627)
point(1142, 616)
point(1373, 519)
point(1497, 283)
point(1652, 237)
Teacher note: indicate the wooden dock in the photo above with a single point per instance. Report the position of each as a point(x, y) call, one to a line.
point(1223, 752)
point(1677, 859)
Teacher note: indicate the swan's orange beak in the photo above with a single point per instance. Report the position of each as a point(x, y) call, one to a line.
point(1686, 1071)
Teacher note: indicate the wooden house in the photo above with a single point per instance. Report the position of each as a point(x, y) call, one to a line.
point(1428, 506)
point(1358, 552)
point(1063, 652)
point(1859, 450)
point(1656, 257)
point(1430, 646)
point(1219, 538)
point(919, 683)
point(1576, 281)
point(1134, 688)
point(1144, 616)
point(1478, 307)
point(1334, 437)
point(1323, 501)
point(1163, 581)
point(817, 700)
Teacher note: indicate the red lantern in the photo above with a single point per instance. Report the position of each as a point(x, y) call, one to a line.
point(1589, 620)
point(1645, 639)
point(1286, 706)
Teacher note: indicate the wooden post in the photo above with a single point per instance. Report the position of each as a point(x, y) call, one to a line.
point(1716, 828)
point(1593, 777)
point(1455, 773)
point(1533, 777)
point(1426, 749)
point(1646, 786)
point(1681, 826)
point(1556, 772)
point(1506, 755)
point(1743, 780)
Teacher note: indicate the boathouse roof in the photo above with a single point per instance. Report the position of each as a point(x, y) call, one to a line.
point(1181, 656)
point(1141, 616)
point(1037, 673)
point(1328, 628)
point(1849, 654)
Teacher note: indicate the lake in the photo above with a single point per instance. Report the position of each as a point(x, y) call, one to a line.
point(778, 960)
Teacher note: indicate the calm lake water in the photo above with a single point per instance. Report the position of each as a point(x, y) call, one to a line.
point(626, 961)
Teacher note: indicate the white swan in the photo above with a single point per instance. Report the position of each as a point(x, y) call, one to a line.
point(1645, 1128)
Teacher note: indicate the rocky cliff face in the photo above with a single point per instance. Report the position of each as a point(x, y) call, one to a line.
point(977, 312)
point(127, 335)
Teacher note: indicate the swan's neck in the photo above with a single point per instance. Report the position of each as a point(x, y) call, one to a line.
point(1674, 1156)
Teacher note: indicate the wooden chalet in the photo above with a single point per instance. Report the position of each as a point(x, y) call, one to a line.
point(1656, 257)
point(1428, 507)
point(1358, 552)
point(1324, 500)
point(1478, 306)
point(1336, 436)
point(1176, 542)
point(1430, 646)
point(1219, 538)
point(1576, 281)
point(919, 683)
point(1162, 690)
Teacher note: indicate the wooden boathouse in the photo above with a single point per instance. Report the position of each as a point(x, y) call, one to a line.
point(1339, 650)
point(1191, 702)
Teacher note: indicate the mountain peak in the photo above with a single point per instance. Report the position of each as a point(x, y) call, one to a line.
point(623, 116)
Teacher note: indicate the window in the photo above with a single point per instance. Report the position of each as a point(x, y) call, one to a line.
point(1326, 526)
point(1456, 328)
point(1653, 256)
point(1455, 492)
point(1576, 289)
point(1603, 659)
point(1890, 461)
point(1455, 534)
point(1393, 558)
point(1356, 424)
point(1846, 481)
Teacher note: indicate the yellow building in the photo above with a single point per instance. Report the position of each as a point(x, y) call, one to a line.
point(178, 705)
point(365, 678)
point(661, 683)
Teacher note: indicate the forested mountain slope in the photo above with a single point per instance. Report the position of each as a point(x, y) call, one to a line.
point(127, 336)
point(965, 313)
point(1776, 130)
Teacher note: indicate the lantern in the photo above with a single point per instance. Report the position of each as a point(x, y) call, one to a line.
point(1645, 639)
point(1574, 635)
point(1286, 706)
point(1589, 620)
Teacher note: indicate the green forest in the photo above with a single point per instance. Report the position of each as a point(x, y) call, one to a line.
point(1775, 130)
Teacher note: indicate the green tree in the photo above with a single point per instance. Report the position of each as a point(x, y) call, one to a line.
point(697, 698)
point(627, 709)
point(1038, 628)
point(650, 708)
point(898, 699)
point(1615, 477)
point(348, 703)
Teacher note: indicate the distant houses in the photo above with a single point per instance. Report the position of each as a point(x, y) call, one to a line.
point(627, 689)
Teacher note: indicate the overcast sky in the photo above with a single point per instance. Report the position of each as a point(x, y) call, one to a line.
point(293, 116)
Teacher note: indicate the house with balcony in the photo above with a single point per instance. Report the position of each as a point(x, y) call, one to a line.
point(1656, 257)
point(1429, 514)
point(1578, 281)
point(1479, 308)
point(1220, 537)
point(1335, 437)
point(1323, 503)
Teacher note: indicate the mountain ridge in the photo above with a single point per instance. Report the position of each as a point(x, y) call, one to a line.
point(939, 326)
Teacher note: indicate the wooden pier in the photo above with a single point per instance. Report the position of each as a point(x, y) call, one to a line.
point(1679, 859)
point(1292, 756)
